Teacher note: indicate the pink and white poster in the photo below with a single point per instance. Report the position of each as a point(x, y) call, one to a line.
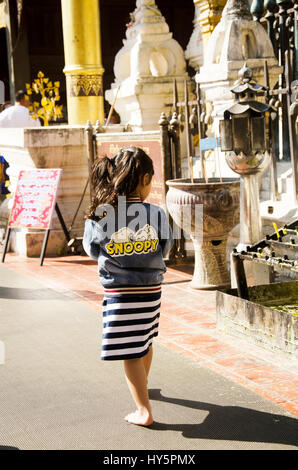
point(35, 198)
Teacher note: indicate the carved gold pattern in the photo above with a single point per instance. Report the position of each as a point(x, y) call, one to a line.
point(84, 85)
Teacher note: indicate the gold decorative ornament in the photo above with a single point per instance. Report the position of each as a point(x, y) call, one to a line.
point(47, 109)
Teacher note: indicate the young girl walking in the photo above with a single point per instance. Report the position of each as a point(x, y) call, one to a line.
point(129, 238)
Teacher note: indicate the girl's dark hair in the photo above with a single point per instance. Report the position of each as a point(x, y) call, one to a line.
point(118, 176)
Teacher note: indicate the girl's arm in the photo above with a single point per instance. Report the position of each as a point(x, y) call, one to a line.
point(166, 236)
point(91, 239)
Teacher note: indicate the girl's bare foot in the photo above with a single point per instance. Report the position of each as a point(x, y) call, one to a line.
point(139, 417)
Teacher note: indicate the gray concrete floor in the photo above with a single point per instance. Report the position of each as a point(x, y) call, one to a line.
point(56, 393)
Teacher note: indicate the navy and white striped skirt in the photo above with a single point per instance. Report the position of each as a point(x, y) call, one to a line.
point(130, 321)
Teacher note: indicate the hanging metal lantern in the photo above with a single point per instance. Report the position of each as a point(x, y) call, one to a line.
point(243, 129)
point(245, 141)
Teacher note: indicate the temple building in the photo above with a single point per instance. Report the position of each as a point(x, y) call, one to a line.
point(34, 37)
point(126, 55)
point(31, 37)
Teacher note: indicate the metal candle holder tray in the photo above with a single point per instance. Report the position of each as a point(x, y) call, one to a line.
point(266, 315)
point(279, 250)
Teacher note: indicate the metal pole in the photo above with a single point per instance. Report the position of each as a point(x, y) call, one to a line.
point(270, 18)
point(90, 153)
point(62, 223)
point(176, 168)
point(165, 149)
point(188, 135)
point(44, 246)
point(201, 131)
point(166, 166)
point(6, 244)
point(283, 45)
point(273, 170)
point(175, 96)
point(199, 109)
point(242, 288)
point(295, 68)
point(173, 127)
point(292, 141)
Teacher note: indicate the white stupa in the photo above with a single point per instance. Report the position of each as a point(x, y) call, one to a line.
point(145, 68)
point(236, 39)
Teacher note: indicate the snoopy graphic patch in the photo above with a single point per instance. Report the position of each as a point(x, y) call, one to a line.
point(127, 242)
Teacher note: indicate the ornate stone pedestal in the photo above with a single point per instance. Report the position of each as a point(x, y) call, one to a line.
point(220, 213)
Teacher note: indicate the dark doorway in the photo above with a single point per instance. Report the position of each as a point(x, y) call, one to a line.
point(4, 73)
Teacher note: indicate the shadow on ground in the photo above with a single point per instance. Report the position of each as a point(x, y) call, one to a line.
point(42, 294)
point(85, 262)
point(8, 448)
point(231, 423)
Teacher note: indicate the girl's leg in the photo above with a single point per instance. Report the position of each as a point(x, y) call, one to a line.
point(136, 378)
point(147, 359)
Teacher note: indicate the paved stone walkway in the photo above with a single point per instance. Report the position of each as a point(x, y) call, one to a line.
point(187, 326)
point(56, 394)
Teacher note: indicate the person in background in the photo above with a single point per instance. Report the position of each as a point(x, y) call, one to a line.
point(3, 178)
point(18, 115)
point(15, 116)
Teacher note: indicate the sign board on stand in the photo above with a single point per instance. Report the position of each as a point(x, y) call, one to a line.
point(34, 203)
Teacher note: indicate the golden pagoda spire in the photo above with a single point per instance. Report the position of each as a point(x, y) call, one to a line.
point(209, 16)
